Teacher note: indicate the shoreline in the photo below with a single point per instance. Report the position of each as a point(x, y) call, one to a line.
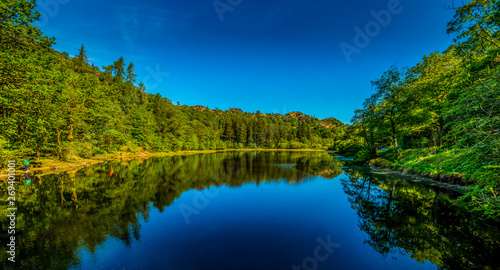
point(452, 181)
point(55, 166)
point(417, 178)
point(51, 166)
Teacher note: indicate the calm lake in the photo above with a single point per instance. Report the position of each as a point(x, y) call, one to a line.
point(242, 210)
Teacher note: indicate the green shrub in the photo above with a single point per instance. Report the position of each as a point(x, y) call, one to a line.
point(83, 148)
point(100, 152)
point(5, 154)
point(380, 163)
point(297, 145)
point(363, 155)
point(283, 144)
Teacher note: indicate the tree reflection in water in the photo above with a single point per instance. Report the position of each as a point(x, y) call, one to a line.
point(405, 218)
point(60, 213)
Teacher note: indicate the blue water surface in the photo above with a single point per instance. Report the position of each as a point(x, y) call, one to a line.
point(255, 226)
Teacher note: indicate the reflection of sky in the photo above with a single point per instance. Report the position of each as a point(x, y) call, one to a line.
point(264, 226)
point(287, 166)
point(269, 55)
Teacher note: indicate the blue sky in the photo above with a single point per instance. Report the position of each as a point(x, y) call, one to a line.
point(269, 55)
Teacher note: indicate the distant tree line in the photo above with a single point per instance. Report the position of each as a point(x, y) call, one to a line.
point(52, 104)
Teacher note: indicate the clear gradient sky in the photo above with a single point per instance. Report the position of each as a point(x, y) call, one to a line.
point(269, 55)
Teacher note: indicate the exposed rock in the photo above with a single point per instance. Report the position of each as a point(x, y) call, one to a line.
point(200, 108)
point(235, 110)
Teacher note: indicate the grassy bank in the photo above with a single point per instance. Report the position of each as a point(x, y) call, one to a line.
point(468, 168)
point(464, 167)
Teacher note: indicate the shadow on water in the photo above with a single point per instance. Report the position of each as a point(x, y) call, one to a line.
point(60, 214)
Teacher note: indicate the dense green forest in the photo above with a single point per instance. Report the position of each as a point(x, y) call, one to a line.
point(55, 105)
point(441, 117)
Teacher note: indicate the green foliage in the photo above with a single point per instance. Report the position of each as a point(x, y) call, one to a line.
point(55, 105)
point(379, 162)
point(444, 111)
point(16, 30)
point(297, 145)
point(475, 26)
point(484, 200)
point(363, 155)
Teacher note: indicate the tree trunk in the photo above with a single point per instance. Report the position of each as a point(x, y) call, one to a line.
point(434, 141)
point(393, 128)
point(70, 132)
point(372, 146)
point(441, 131)
point(59, 148)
